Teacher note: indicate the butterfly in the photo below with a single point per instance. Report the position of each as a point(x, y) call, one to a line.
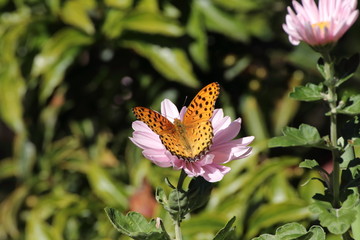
point(190, 138)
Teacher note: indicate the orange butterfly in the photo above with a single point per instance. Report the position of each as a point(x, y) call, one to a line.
point(190, 138)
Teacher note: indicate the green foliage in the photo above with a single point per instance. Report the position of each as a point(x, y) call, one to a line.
point(337, 220)
point(295, 231)
point(309, 92)
point(135, 226)
point(305, 135)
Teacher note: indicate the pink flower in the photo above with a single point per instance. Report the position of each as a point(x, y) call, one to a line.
point(322, 24)
point(223, 149)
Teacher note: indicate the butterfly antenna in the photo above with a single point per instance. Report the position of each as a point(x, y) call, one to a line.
point(185, 100)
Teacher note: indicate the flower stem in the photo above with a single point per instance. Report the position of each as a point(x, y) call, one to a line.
point(178, 235)
point(330, 81)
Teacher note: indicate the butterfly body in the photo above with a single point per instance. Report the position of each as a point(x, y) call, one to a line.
point(190, 138)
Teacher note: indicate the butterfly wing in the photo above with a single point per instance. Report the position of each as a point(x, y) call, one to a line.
point(166, 130)
point(202, 106)
point(197, 123)
point(155, 121)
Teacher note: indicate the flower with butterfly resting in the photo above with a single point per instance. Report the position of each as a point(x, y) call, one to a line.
point(199, 139)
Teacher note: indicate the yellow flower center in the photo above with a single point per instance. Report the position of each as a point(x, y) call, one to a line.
point(321, 25)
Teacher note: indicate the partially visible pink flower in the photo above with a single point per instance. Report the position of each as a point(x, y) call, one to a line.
point(223, 149)
point(322, 24)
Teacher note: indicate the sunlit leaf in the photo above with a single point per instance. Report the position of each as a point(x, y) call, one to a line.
point(75, 12)
point(270, 214)
point(151, 23)
point(226, 232)
point(56, 56)
point(220, 21)
point(196, 29)
point(106, 188)
point(9, 210)
point(172, 63)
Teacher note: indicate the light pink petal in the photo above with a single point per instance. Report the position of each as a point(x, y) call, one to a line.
point(158, 157)
point(215, 173)
point(147, 140)
point(169, 110)
point(228, 133)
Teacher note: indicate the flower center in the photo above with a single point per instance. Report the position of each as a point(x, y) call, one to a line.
point(321, 25)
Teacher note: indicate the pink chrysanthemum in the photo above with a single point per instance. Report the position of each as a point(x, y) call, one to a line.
point(209, 166)
point(322, 24)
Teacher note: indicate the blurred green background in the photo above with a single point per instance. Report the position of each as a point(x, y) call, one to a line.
point(70, 72)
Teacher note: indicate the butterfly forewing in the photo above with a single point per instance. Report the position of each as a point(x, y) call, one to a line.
point(156, 122)
point(202, 106)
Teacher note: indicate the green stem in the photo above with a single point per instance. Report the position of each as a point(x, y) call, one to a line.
point(330, 81)
point(178, 235)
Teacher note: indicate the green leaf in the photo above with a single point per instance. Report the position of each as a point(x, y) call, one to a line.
point(135, 225)
point(119, 3)
point(105, 187)
point(152, 23)
point(337, 220)
point(290, 231)
point(270, 214)
point(196, 29)
point(113, 24)
point(309, 92)
point(220, 21)
point(295, 231)
point(353, 108)
point(198, 193)
point(227, 232)
point(312, 164)
point(171, 62)
point(56, 56)
point(306, 135)
point(75, 13)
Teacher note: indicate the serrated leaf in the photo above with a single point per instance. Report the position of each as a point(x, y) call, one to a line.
point(305, 135)
point(135, 225)
point(171, 62)
point(338, 221)
point(226, 232)
point(290, 231)
point(309, 92)
point(353, 108)
point(295, 231)
point(75, 13)
point(318, 233)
